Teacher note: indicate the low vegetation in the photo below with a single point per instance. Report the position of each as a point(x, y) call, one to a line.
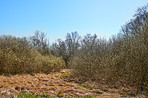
point(119, 62)
point(42, 86)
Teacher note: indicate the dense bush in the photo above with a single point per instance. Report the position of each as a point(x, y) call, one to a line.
point(122, 60)
point(17, 56)
point(88, 58)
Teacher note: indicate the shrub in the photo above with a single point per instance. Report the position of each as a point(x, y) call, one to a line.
point(122, 60)
point(19, 57)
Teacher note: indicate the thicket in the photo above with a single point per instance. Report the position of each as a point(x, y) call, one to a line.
point(121, 60)
point(19, 56)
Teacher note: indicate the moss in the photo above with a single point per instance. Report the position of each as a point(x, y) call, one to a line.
point(64, 75)
point(85, 86)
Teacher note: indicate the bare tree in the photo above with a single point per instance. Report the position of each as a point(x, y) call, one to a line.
point(39, 41)
point(66, 49)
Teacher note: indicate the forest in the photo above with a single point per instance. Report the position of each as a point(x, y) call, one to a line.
point(118, 62)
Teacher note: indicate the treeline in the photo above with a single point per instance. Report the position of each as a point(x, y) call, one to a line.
point(121, 60)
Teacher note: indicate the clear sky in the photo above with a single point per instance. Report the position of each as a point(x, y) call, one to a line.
point(58, 17)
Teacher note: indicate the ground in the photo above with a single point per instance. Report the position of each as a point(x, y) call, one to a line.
point(43, 85)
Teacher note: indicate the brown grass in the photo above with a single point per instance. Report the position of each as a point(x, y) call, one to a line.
point(50, 85)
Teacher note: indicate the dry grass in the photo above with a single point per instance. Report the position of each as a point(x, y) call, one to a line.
point(47, 85)
point(41, 84)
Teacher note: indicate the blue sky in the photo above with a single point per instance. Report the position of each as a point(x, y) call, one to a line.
point(58, 17)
